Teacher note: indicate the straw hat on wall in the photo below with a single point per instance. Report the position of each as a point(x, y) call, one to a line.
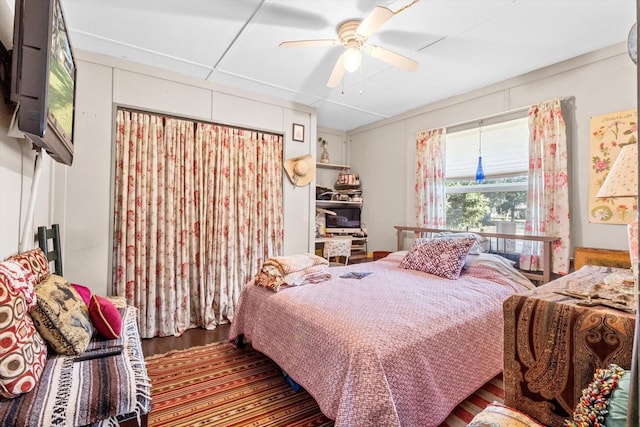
point(300, 170)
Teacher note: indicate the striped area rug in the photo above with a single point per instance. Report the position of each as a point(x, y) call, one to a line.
point(221, 385)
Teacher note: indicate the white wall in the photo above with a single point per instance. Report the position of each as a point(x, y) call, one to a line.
point(384, 153)
point(17, 161)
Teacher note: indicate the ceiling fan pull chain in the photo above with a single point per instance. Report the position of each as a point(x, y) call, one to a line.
point(405, 7)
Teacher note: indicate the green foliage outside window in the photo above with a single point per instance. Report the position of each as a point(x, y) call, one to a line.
point(480, 210)
point(466, 210)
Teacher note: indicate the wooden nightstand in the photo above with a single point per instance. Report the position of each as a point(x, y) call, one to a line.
point(380, 254)
point(376, 256)
point(360, 259)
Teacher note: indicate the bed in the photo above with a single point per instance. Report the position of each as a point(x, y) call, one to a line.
point(398, 347)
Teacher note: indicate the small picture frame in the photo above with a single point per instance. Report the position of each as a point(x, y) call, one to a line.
point(298, 132)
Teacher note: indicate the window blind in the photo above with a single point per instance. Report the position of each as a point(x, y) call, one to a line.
point(505, 150)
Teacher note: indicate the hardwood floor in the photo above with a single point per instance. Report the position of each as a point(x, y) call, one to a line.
point(191, 338)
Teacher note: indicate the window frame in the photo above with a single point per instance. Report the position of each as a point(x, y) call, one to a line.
point(470, 186)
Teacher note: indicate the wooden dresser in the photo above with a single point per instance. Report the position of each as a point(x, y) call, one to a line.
point(553, 345)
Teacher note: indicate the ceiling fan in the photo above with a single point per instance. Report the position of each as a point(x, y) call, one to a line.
point(353, 35)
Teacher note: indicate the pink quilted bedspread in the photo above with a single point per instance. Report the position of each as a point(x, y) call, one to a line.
point(395, 348)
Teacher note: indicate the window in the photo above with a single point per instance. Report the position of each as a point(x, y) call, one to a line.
point(498, 204)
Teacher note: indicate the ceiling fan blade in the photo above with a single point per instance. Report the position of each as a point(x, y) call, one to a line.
point(337, 73)
point(304, 43)
point(392, 58)
point(375, 20)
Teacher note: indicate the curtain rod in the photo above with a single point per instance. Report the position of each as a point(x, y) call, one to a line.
point(194, 119)
point(495, 118)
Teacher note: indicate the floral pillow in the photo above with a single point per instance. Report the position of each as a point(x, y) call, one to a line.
point(442, 256)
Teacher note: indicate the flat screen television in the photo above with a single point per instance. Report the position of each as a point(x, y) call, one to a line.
point(345, 221)
point(43, 77)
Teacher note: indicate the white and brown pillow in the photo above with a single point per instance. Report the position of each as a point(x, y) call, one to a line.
point(442, 256)
point(61, 316)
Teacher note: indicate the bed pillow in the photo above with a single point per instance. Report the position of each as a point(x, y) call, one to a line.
point(442, 256)
point(497, 414)
point(597, 399)
point(23, 353)
point(490, 265)
point(61, 316)
point(84, 292)
point(488, 259)
point(617, 416)
point(481, 244)
point(35, 261)
point(105, 317)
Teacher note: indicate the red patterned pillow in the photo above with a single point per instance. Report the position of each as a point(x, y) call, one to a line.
point(35, 261)
point(105, 317)
point(23, 353)
point(443, 256)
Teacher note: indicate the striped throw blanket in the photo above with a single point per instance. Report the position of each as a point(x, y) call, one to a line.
point(292, 270)
point(93, 392)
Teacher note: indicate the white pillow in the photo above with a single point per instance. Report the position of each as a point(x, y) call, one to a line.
point(481, 245)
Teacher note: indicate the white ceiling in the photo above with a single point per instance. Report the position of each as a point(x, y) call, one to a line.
point(461, 45)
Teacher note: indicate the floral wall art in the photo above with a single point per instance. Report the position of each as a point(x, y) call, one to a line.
point(609, 133)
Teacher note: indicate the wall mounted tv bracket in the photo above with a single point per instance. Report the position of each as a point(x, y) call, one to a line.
point(5, 73)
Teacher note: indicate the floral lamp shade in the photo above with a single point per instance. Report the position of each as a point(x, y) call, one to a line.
point(622, 181)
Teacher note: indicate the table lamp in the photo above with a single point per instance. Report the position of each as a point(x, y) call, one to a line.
point(622, 181)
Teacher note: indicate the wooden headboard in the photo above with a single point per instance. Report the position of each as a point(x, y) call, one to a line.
point(604, 257)
point(543, 276)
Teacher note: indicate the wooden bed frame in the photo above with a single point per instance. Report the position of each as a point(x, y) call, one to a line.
point(496, 240)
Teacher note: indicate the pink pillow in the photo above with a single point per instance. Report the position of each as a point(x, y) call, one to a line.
point(105, 317)
point(443, 256)
point(84, 292)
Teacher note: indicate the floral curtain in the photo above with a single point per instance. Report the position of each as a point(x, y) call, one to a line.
point(198, 207)
point(548, 192)
point(430, 196)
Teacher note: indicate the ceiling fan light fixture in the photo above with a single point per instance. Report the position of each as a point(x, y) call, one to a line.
point(351, 59)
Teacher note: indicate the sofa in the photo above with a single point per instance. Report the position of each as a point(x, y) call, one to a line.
point(45, 323)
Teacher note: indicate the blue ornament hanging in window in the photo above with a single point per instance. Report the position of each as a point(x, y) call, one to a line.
point(479, 170)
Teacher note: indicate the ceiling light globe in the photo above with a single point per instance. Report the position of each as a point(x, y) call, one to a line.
point(351, 59)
